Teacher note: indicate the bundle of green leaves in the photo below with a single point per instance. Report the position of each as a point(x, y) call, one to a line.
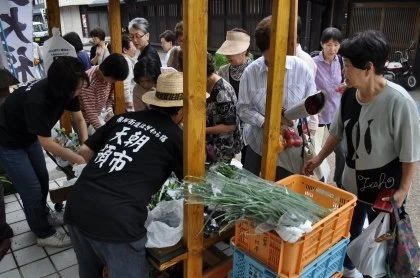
point(242, 195)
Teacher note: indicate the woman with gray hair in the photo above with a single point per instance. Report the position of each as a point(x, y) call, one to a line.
point(139, 33)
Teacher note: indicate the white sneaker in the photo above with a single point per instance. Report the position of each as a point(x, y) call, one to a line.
point(56, 218)
point(58, 240)
point(352, 273)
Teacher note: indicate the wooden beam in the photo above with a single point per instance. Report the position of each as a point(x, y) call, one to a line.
point(116, 46)
point(275, 85)
point(195, 76)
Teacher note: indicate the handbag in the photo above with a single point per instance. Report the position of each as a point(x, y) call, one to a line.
point(403, 248)
point(308, 150)
point(368, 252)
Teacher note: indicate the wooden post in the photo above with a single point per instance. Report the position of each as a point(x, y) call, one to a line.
point(116, 46)
point(53, 14)
point(275, 85)
point(293, 16)
point(195, 76)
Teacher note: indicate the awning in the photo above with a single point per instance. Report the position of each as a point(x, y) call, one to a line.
point(65, 3)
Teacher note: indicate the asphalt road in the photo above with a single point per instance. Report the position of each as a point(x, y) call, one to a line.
point(413, 202)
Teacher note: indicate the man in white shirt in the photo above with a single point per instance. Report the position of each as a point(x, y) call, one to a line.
point(298, 84)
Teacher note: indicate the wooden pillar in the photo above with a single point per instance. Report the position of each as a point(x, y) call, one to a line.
point(292, 39)
point(114, 17)
point(195, 76)
point(53, 15)
point(275, 84)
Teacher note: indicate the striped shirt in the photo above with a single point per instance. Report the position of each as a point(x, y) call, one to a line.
point(99, 95)
point(328, 78)
point(298, 84)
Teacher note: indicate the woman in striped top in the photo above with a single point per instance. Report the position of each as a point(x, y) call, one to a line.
point(99, 95)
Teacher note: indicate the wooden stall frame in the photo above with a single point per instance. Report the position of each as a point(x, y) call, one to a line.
point(283, 41)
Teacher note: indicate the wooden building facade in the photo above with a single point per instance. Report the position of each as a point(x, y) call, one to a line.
point(400, 21)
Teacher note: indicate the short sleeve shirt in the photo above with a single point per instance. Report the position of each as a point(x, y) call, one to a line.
point(379, 135)
point(29, 111)
point(135, 153)
point(221, 109)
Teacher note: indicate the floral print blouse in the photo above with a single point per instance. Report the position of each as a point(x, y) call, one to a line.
point(221, 109)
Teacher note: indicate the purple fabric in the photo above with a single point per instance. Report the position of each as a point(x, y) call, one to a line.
point(328, 77)
point(84, 58)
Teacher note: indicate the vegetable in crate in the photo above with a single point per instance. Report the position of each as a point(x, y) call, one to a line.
point(248, 196)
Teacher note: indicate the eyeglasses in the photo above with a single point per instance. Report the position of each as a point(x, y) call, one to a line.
point(136, 35)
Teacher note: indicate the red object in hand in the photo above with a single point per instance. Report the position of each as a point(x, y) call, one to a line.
point(341, 88)
point(291, 138)
point(384, 206)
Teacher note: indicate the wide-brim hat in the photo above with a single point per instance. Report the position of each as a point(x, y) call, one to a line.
point(169, 91)
point(236, 42)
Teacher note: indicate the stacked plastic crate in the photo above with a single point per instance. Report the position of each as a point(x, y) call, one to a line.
point(319, 253)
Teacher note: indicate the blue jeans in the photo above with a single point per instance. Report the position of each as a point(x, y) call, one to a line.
point(359, 215)
point(123, 259)
point(28, 172)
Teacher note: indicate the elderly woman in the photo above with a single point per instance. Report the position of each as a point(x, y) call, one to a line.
point(378, 123)
point(235, 48)
point(223, 138)
point(139, 34)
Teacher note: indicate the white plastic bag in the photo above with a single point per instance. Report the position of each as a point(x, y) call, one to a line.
point(54, 47)
point(369, 256)
point(164, 224)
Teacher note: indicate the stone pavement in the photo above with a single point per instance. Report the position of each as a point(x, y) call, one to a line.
point(26, 259)
point(413, 202)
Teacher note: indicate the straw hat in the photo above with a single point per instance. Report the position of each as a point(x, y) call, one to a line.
point(168, 92)
point(235, 43)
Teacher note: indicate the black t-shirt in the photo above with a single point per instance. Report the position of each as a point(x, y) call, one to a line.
point(29, 111)
point(135, 154)
point(150, 52)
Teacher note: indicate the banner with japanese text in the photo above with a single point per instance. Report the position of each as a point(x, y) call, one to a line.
point(16, 38)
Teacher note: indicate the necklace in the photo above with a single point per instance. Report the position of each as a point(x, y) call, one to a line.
point(235, 72)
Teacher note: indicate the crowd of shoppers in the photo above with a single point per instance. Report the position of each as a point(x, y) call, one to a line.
point(372, 127)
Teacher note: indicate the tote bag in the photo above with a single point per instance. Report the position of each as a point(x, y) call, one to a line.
point(368, 255)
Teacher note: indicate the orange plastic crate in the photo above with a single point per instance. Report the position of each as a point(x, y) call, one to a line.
point(288, 259)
